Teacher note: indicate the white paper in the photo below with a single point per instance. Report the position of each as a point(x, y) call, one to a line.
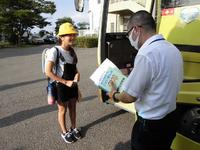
point(104, 73)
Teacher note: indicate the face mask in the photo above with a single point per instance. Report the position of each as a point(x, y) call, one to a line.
point(134, 43)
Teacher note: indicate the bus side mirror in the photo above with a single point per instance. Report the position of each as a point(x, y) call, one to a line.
point(79, 5)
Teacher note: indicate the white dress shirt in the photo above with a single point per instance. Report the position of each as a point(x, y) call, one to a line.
point(156, 78)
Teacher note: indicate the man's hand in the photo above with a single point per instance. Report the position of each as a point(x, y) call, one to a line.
point(122, 96)
point(113, 90)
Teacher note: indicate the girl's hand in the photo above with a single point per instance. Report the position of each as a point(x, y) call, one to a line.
point(79, 96)
point(77, 77)
point(68, 83)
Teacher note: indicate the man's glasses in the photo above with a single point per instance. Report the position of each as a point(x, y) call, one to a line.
point(128, 32)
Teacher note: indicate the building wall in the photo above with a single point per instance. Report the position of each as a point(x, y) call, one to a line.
point(94, 15)
point(119, 12)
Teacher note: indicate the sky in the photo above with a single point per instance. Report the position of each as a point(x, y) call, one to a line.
point(65, 8)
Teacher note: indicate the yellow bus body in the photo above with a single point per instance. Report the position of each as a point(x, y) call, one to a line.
point(184, 32)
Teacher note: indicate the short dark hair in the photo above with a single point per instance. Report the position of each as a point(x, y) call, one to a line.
point(144, 19)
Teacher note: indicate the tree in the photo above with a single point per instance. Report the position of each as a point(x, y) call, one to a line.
point(83, 25)
point(18, 16)
point(61, 21)
point(43, 32)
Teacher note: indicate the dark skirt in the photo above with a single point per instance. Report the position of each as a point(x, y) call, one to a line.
point(66, 93)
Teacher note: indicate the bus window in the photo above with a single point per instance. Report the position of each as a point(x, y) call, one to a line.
point(178, 3)
point(118, 48)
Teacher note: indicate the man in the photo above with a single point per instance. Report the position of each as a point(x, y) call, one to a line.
point(152, 84)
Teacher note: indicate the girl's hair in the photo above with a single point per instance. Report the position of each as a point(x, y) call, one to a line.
point(71, 52)
point(59, 40)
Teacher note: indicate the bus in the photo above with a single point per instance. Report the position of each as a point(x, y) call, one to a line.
point(179, 22)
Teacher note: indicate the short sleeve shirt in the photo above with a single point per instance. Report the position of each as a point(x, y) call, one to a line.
point(52, 56)
point(155, 79)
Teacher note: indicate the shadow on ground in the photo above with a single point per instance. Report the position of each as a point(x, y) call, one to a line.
point(26, 114)
point(10, 86)
point(89, 98)
point(100, 120)
point(123, 146)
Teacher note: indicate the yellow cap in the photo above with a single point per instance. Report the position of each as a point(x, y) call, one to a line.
point(67, 28)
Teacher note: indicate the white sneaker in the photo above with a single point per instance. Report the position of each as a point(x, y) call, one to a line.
point(76, 133)
point(67, 137)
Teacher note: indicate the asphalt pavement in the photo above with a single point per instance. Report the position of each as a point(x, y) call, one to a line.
point(27, 122)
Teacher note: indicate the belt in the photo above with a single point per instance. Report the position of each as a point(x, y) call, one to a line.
point(169, 117)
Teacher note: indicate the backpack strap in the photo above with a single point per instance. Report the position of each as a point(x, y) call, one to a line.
point(57, 58)
point(57, 61)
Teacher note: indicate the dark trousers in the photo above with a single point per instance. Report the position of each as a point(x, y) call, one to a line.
point(154, 134)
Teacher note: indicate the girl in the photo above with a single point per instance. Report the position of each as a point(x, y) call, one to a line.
point(66, 77)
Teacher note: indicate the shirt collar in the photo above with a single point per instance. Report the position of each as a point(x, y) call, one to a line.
point(151, 39)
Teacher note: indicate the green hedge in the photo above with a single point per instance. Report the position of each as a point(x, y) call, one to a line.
point(5, 44)
point(86, 42)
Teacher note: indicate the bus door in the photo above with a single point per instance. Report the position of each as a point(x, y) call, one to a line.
point(179, 22)
point(113, 42)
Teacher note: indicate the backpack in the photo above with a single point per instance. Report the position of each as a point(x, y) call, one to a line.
point(44, 56)
point(51, 86)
